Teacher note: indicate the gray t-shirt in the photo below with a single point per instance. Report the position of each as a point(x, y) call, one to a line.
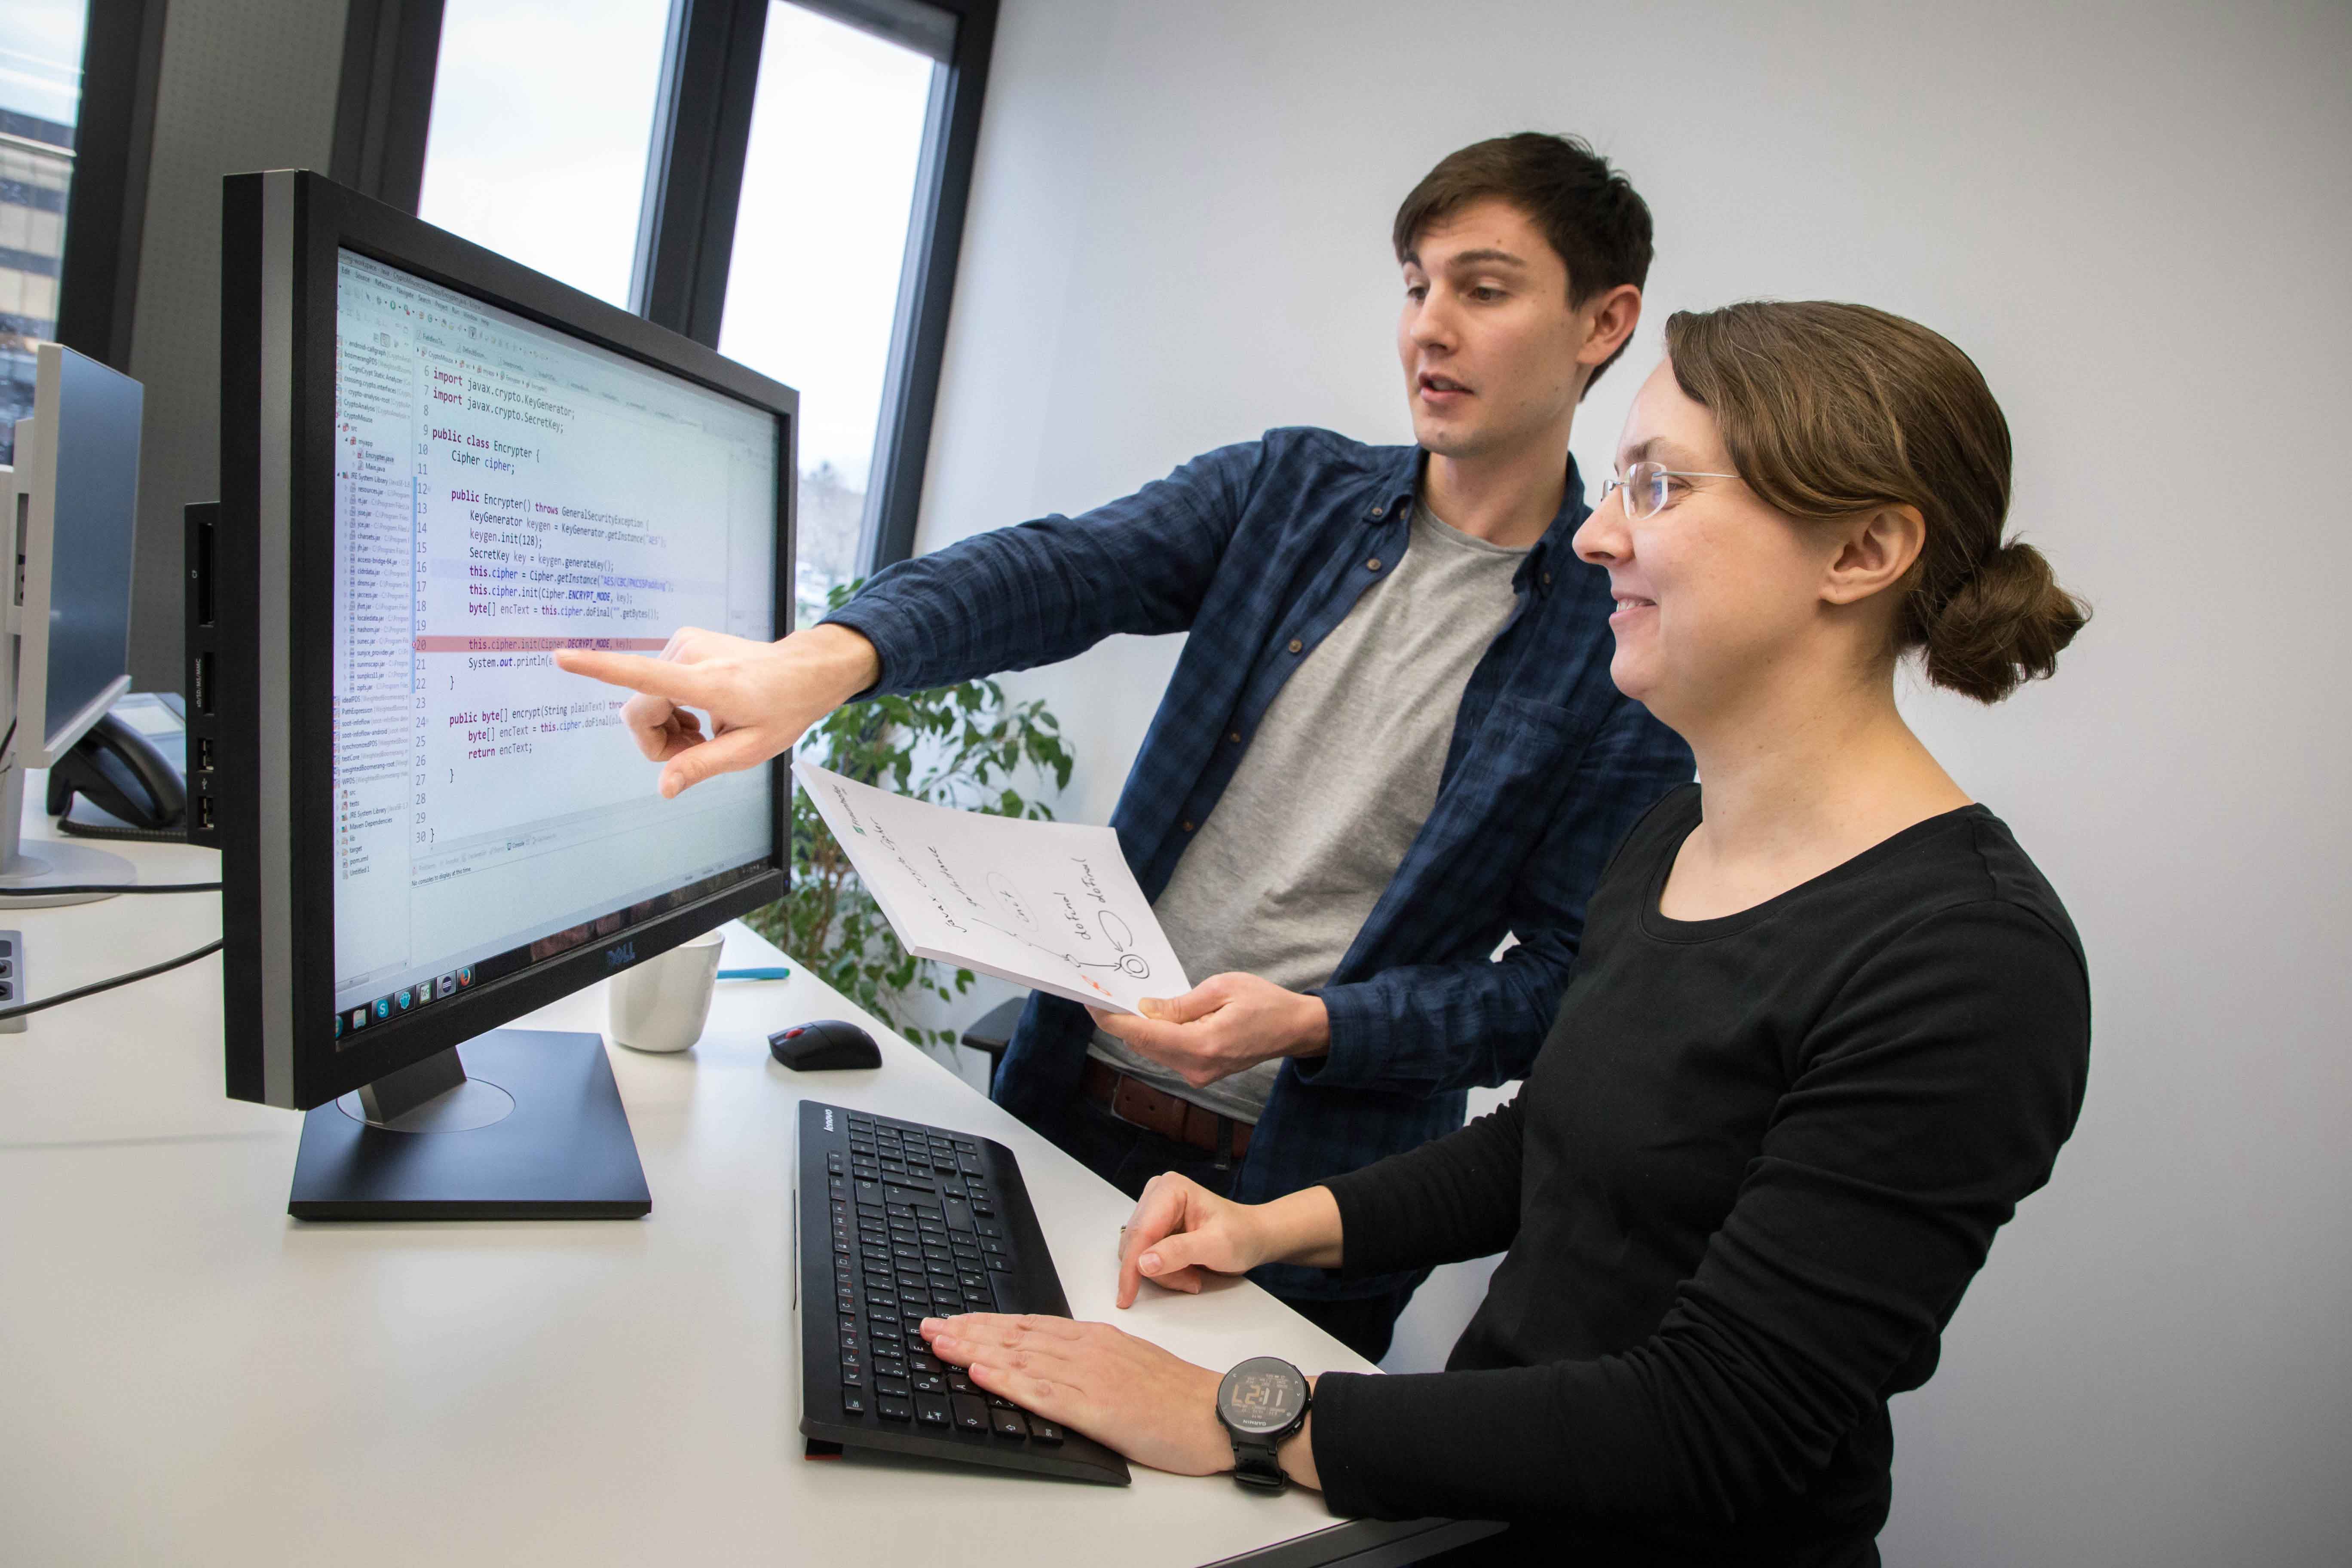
point(1336, 783)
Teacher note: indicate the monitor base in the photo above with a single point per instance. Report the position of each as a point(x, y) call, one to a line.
point(27, 867)
point(48, 863)
point(532, 1128)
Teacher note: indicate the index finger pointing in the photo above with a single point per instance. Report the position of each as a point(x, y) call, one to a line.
point(659, 677)
point(1154, 1219)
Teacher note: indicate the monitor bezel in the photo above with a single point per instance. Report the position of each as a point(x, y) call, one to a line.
point(43, 735)
point(282, 233)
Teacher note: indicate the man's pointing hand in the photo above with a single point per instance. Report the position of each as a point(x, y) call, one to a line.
point(760, 697)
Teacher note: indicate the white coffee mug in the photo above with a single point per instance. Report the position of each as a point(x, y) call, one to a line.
point(661, 1005)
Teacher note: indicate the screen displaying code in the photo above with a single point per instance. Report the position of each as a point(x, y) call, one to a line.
point(502, 490)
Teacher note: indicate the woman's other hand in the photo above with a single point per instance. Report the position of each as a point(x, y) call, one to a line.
point(1179, 1229)
point(1126, 1393)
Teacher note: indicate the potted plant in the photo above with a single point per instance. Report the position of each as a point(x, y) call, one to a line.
point(964, 746)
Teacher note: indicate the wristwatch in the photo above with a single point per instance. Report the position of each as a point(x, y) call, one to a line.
point(1262, 1402)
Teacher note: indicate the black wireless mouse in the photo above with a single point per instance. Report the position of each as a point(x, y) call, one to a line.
point(826, 1044)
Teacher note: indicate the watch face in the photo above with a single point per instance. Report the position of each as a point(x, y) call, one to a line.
point(1262, 1394)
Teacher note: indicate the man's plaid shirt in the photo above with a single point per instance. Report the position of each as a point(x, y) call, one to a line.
point(1258, 551)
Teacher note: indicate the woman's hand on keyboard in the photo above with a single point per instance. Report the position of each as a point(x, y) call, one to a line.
point(1180, 1229)
point(1126, 1393)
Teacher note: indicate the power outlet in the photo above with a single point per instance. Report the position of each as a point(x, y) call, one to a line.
point(12, 979)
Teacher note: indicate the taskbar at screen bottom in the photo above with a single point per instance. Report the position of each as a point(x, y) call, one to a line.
point(349, 1021)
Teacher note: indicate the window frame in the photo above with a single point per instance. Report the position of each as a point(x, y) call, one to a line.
point(106, 205)
point(694, 186)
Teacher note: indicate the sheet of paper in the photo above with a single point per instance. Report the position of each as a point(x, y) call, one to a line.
point(1046, 904)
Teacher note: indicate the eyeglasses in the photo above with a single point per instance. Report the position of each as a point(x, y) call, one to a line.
point(1645, 487)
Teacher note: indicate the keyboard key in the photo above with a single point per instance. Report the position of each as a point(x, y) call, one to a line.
point(971, 1414)
point(958, 1384)
point(1008, 1423)
point(932, 1410)
point(1043, 1430)
point(894, 1409)
point(853, 1377)
point(929, 1383)
point(890, 1388)
point(853, 1402)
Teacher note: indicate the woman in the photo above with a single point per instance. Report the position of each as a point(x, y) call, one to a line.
point(1829, 1027)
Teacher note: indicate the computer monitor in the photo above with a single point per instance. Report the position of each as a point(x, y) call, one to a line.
point(72, 502)
point(437, 467)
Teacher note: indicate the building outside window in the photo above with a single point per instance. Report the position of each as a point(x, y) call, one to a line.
point(40, 99)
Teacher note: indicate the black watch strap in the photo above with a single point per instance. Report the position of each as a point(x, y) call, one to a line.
point(1257, 1463)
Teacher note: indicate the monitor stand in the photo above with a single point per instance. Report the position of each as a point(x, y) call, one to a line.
point(535, 1131)
point(49, 863)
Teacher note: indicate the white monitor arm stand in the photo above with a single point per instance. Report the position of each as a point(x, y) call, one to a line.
point(52, 863)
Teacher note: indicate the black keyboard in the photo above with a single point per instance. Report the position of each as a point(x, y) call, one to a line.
point(896, 1222)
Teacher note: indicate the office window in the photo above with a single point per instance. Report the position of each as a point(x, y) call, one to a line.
point(820, 241)
point(40, 101)
point(784, 180)
point(542, 118)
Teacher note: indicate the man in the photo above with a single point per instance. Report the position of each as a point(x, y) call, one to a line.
point(1390, 740)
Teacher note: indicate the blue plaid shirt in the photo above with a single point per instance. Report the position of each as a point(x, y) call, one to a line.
point(1258, 551)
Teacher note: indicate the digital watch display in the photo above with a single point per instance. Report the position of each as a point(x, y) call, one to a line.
point(1262, 1402)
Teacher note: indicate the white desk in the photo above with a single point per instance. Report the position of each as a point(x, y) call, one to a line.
point(187, 1375)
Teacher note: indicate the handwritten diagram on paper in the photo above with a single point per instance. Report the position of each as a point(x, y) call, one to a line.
point(1046, 904)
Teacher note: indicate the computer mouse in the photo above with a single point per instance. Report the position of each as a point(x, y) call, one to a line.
point(824, 1045)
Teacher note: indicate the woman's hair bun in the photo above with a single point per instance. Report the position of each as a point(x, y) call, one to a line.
point(2004, 623)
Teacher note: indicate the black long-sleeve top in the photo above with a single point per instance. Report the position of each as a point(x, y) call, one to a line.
point(1742, 1189)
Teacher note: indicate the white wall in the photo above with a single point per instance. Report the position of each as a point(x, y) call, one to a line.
point(2136, 218)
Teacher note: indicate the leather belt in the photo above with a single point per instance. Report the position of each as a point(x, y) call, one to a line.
point(1139, 1104)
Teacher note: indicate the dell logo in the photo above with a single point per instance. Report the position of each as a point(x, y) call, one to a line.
point(828, 1119)
point(622, 954)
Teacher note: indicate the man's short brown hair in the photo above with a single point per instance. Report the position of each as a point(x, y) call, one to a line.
point(1589, 212)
